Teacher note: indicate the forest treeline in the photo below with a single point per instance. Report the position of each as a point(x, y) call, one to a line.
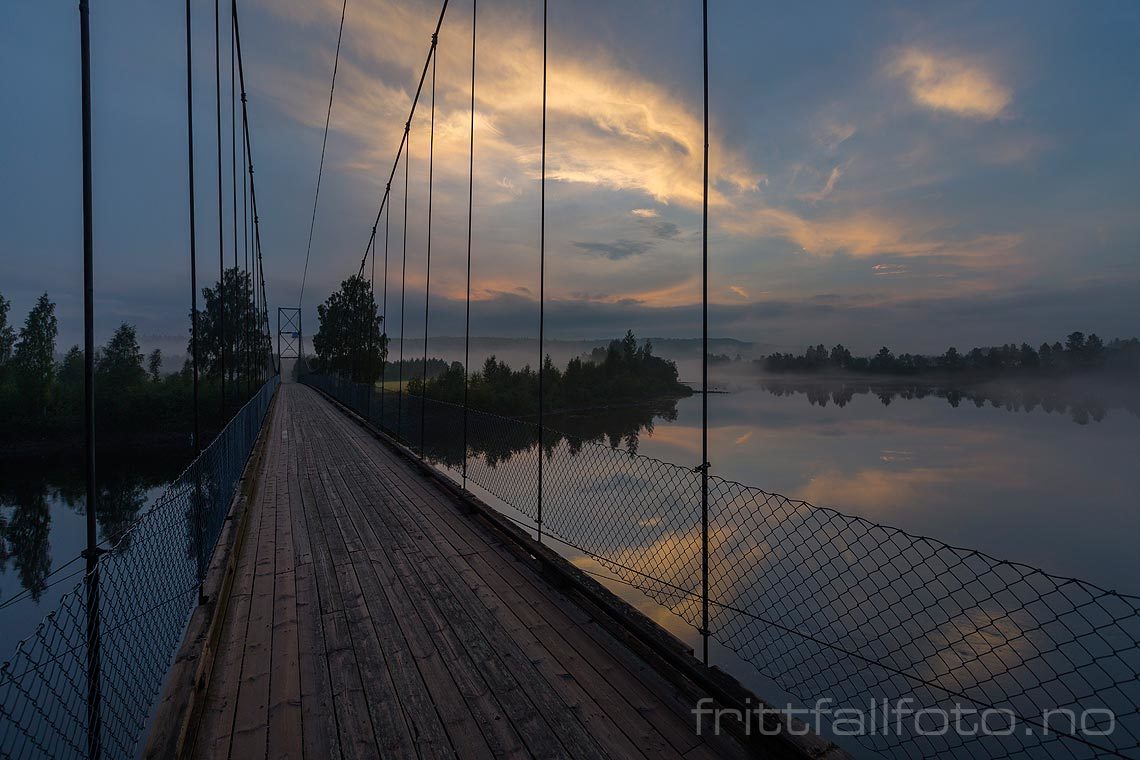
point(412, 368)
point(1077, 354)
point(625, 371)
point(350, 342)
point(42, 397)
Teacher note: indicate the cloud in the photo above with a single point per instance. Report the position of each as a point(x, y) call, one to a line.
point(945, 83)
point(828, 186)
point(644, 213)
point(617, 250)
point(870, 233)
point(617, 128)
point(884, 270)
point(835, 134)
point(738, 291)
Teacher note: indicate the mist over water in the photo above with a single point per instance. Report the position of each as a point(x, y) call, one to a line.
point(1057, 489)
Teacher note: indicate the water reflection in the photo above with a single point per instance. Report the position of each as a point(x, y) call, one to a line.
point(43, 509)
point(1083, 402)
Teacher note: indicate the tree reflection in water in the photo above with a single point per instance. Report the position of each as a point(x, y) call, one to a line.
point(496, 439)
point(34, 493)
point(1083, 403)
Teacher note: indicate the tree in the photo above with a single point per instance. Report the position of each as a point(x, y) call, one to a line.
point(1075, 343)
point(34, 357)
point(119, 366)
point(245, 343)
point(840, 356)
point(7, 333)
point(1029, 358)
point(154, 365)
point(349, 340)
point(884, 361)
point(1094, 347)
point(69, 379)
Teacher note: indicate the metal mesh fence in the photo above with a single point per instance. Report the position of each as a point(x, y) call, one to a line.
point(933, 650)
point(147, 586)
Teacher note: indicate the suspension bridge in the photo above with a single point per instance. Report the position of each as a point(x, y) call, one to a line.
point(350, 571)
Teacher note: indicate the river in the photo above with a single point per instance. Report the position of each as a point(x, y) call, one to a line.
point(43, 524)
point(1050, 483)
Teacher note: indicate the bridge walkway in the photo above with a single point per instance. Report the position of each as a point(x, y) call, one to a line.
point(371, 617)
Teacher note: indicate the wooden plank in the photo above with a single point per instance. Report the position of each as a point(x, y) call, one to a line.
point(447, 652)
point(371, 618)
point(386, 642)
point(506, 690)
point(284, 716)
point(358, 739)
point(518, 587)
point(250, 724)
point(318, 721)
point(388, 716)
point(399, 627)
point(648, 693)
point(576, 682)
point(217, 722)
point(481, 631)
point(356, 735)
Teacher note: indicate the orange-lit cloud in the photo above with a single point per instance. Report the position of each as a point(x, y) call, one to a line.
point(827, 188)
point(614, 127)
point(946, 83)
point(871, 233)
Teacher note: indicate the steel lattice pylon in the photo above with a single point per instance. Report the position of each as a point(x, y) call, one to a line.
point(289, 341)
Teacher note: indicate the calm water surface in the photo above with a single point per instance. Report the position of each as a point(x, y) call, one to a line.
point(43, 525)
point(1059, 489)
point(1054, 489)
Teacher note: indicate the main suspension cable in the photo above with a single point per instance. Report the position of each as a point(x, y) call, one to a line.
point(403, 282)
point(404, 139)
point(384, 318)
point(324, 141)
point(259, 267)
point(239, 340)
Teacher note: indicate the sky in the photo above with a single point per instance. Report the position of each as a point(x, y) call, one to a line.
point(916, 175)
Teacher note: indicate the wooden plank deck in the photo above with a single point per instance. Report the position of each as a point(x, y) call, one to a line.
point(371, 618)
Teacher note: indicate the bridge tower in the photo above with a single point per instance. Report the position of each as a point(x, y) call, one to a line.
point(289, 336)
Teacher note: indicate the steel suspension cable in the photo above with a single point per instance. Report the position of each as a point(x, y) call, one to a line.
point(403, 141)
point(91, 579)
point(263, 317)
point(427, 275)
point(248, 292)
point(705, 347)
point(193, 228)
point(384, 318)
point(470, 205)
point(321, 166)
point(542, 270)
point(371, 341)
point(221, 217)
point(239, 341)
point(403, 282)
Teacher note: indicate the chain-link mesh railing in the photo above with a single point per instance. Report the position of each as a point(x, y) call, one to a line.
point(147, 583)
point(911, 646)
